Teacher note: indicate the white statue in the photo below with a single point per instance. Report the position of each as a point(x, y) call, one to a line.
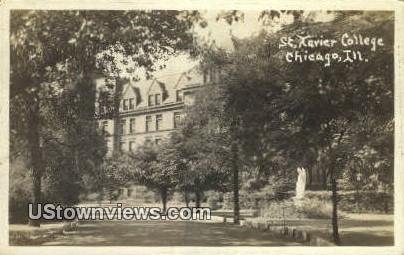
point(301, 182)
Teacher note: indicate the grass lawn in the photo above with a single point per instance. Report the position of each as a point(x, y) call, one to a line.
point(354, 229)
point(165, 233)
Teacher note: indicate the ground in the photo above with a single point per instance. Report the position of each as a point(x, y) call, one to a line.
point(166, 233)
point(355, 230)
point(159, 233)
point(360, 229)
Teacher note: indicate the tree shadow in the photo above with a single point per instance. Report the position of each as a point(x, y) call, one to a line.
point(382, 238)
point(159, 233)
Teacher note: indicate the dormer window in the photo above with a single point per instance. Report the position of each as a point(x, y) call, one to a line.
point(155, 99)
point(179, 96)
point(158, 99)
point(151, 100)
point(125, 104)
point(131, 103)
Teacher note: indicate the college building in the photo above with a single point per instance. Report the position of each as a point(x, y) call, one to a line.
point(151, 109)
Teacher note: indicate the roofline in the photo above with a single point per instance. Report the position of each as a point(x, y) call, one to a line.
point(163, 107)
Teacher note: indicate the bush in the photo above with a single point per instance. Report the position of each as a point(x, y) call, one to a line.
point(258, 193)
point(280, 210)
point(213, 199)
point(91, 197)
point(178, 197)
point(311, 208)
point(316, 208)
point(358, 202)
point(20, 192)
point(367, 202)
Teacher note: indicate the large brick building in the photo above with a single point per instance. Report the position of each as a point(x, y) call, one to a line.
point(151, 109)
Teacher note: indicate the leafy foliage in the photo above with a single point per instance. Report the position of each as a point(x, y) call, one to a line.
point(54, 55)
point(307, 113)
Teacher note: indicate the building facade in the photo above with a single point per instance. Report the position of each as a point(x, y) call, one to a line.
point(150, 110)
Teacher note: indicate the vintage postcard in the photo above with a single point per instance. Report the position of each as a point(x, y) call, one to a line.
point(178, 127)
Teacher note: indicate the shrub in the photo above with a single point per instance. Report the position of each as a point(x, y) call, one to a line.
point(257, 193)
point(178, 197)
point(20, 192)
point(213, 199)
point(280, 210)
point(312, 208)
point(316, 208)
point(358, 202)
point(95, 196)
point(367, 202)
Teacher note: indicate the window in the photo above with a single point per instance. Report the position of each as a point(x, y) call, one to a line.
point(151, 100)
point(189, 99)
point(104, 126)
point(177, 119)
point(122, 127)
point(158, 141)
point(132, 126)
point(132, 146)
point(148, 123)
point(121, 146)
point(125, 104)
point(212, 75)
point(131, 103)
point(159, 120)
point(179, 96)
point(158, 99)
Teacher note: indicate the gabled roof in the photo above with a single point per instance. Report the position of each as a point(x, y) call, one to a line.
point(168, 84)
point(190, 77)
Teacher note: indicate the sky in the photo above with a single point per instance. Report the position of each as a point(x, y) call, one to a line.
point(217, 31)
point(220, 32)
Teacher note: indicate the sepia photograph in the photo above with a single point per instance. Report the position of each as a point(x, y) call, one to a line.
point(201, 127)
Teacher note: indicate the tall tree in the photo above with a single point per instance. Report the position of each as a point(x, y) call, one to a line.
point(349, 94)
point(156, 169)
point(70, 45)
point(304, 111)
point(200, 158)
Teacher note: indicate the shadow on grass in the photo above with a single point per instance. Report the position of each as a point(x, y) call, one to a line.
point(382, 238)
point(158, 233)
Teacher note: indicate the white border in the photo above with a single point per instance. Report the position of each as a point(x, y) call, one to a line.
point(398, 6)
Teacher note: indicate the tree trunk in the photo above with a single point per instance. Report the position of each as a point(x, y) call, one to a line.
point(334, 221)
point(198, 198)
point(36, 180)
point(236, 203)
point(117, 118)
point(186, 198)
point(36, 157)
point(310, 182)
point(324, 177)
point(164, 195)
